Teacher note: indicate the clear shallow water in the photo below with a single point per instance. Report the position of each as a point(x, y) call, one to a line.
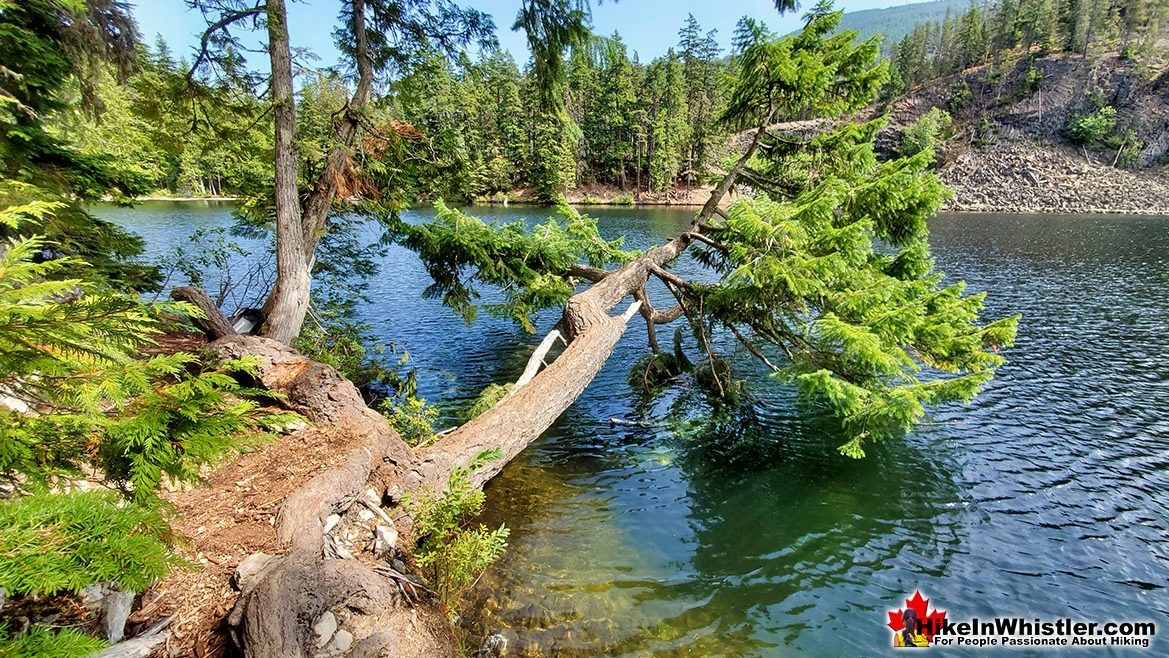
point(1045, 497)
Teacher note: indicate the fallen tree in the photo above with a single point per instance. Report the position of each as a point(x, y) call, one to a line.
point(824, 275)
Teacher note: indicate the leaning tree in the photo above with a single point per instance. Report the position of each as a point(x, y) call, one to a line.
point(822, 272)
point(377, 38)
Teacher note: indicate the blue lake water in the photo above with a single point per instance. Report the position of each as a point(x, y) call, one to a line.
point(1046, 497)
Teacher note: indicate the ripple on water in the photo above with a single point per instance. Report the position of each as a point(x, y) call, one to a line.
point(1045, 496)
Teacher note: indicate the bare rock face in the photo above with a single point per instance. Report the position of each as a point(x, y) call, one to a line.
point(1045, 178)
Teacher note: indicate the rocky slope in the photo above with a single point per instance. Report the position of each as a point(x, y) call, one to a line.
point(1010, 153)
point(1037, 177)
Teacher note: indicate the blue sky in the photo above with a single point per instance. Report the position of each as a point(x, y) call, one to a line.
point(650, 27)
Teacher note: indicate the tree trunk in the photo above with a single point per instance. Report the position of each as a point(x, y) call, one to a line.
point(288, 303)
point(290, 298)
point(320, 200)
point(212, 324)
point(279, 605)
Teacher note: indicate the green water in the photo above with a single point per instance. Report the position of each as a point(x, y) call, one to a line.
point(1046, 497)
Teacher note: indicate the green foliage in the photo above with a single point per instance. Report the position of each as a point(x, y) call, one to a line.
point(412, 418)
point(333, 338)
point(449, 550)
point(837, 274)
point(80, 393)
point(624, 199)
point(487, 399)
point(533, 266)
point(44, 642)
point(798, 76)
point(47, 46)
point(1093, 127)
point(925, 132)
point(959, 97)
point(177, 421)
point(62, 543)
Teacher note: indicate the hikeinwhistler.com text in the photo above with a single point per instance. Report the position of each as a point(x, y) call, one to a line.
point(1019, 632)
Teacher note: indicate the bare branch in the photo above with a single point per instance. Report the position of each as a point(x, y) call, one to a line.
point(752, 348)
point(227, 20)
point(589, 272)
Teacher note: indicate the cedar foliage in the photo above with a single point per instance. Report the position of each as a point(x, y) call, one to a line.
point(78, 395)
point(826, 266)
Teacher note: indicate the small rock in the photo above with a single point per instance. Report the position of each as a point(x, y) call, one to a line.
point(494, 646)
point(324, 628)
point(331, 521)
point(399, 566)
point(92, 595)
point(342, 641)
point(248, 568)
point(117, 606)
point(365, 515)
point(291, 426)
point(394, 494)
point(385, 539)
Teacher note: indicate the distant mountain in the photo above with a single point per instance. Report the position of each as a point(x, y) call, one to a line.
point(896, 22)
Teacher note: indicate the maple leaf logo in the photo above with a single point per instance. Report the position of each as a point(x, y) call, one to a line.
point(931, 621)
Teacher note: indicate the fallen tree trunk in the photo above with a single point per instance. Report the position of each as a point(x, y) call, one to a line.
point(285, 603)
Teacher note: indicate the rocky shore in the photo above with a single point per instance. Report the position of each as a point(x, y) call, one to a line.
point(1044, 178)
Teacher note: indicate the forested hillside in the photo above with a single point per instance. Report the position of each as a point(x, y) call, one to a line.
point(628, 130)
point(639, 126)
point(895, 22)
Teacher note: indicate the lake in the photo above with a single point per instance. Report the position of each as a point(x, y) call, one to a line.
point(1046, 497)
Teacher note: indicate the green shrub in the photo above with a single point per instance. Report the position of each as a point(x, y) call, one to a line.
point(926, 132)
point(70, 351)
point(983, 132)
point(412, 418)
point(1032, 80)
point(1093, 127)
point(624, 199)
point(43, 642)
point(450, 552)
point(488, 398)
point(959, 97)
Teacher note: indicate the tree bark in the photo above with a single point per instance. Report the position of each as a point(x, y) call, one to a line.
point(288, 303)
point(212, 324)
point(278, 607)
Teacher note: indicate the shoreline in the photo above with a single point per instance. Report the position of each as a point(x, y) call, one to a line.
point(184, 199)
point(948, 208)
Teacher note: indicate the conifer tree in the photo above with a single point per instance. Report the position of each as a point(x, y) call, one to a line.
point(824, 275)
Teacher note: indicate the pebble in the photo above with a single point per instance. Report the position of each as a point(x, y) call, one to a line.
point(342, 641)
point(331, 522)
point(386, 539)
point(325, 627)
